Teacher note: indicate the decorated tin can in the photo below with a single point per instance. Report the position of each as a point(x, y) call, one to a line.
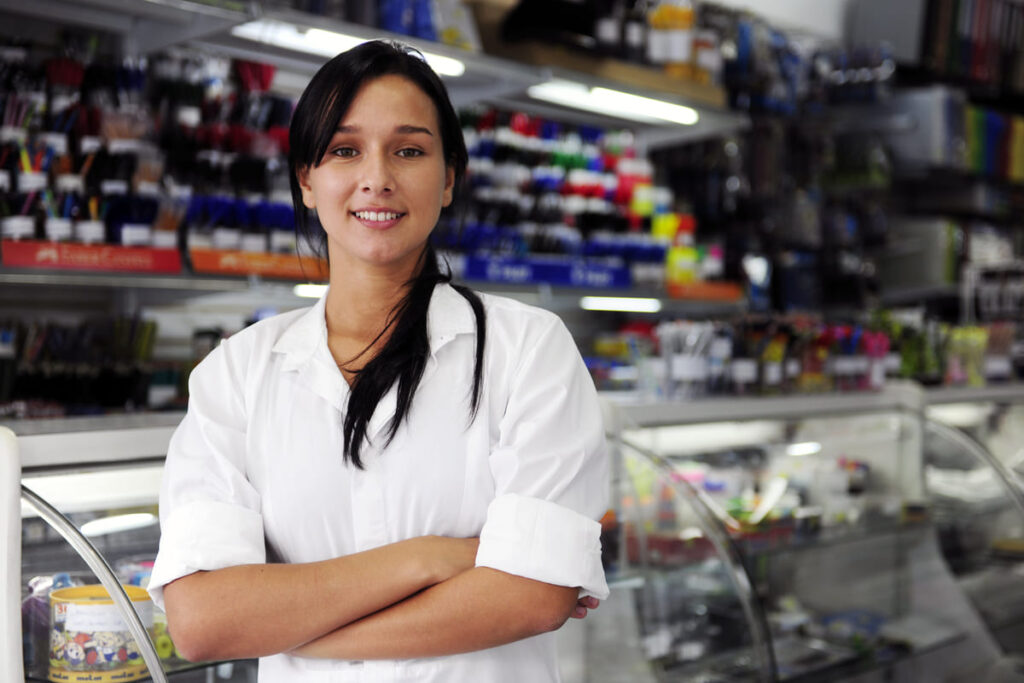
point(89, 640)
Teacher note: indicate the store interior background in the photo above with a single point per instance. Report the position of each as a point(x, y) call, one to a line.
point(815, 343)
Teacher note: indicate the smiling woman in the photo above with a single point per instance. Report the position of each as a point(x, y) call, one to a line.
point(403, 481)
point(382, 183)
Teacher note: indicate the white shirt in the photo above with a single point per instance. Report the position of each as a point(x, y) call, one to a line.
point(256, 467)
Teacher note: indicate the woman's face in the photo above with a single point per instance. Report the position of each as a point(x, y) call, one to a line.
point(380, 188)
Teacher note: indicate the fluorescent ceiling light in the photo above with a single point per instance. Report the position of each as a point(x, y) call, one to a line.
point(317, 41)
point(116, 523)
point(805, 448)
point(309, 291)
point(626, 304)
point(613, 103)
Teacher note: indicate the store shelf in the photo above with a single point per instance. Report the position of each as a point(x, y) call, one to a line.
point(31, 288)
point(502, 78)
point(559, 298)
point(915, 296)
point(999, 393)
point(827, 538)
point(84, 442)
point(145, 25)
point(639, 414)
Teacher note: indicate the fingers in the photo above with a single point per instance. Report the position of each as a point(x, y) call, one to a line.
point(583, 605)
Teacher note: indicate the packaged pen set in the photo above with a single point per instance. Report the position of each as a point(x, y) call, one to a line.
point(97, 153)
point(98, 364)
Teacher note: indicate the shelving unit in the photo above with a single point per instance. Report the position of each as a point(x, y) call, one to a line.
point(147, 26)
point(213, 27)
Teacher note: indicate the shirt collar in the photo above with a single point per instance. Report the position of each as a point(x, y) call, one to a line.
point(449, 315)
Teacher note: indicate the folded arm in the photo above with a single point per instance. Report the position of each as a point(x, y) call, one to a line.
point(478, 609)
point(262, 609)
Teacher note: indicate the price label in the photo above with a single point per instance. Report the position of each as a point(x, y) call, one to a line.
point(124, 145)
point(721, 347)
point(136, 235)
point(282, 242)
point(58, 142)
point(147, 188)
point(165, 239)
point(114, 187)
point(893, 363)
point(689, 368)
point(849, 365)
point(227, 238)
point(104, 617)
point(254, 243)
point(13, 134)
point(744, 370)
point(90, 232)
point(31, 182)
point(58, 229)
point(90, 144)
point(18, 227)
point(998, 367)
point(69, 182)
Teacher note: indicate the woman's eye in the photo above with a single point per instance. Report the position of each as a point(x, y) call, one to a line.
point(343, 152)
point(410, 152)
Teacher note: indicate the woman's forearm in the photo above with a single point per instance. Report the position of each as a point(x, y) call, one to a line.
point(258, 610)
point(475, 610)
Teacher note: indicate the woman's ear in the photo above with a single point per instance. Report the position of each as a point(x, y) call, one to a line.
point(307, 190)
point(449, 186)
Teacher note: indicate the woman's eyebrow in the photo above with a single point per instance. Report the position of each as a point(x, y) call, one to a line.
point(406, 130)
point(403, 130)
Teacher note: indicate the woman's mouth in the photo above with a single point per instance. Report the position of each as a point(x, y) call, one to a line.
point(378, 219)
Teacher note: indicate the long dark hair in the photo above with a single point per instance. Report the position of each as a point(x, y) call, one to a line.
point(403, 358)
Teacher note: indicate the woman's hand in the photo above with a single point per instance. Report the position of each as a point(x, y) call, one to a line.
point(583, 605)
point(447, 557)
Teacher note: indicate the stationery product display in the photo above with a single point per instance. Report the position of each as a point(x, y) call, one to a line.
point(682, 360)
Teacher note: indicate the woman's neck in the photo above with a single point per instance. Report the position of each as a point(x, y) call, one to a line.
point(359, 306)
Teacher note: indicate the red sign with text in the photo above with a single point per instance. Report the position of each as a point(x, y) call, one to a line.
point(100, 257)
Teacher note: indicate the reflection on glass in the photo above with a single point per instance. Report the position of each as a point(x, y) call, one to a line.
point(972, 452)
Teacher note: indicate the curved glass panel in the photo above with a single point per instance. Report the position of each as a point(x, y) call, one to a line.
point(971, 452)
point(681, 606)
point(115, 508)
point(826, 518)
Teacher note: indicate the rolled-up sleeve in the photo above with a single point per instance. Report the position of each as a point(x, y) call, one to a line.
point(209, 511)
point(550, 471)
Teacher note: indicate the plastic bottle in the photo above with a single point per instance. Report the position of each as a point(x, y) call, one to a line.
point(678, 21)
point(634, 32)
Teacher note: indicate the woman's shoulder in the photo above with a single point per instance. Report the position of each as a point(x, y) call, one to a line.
point(252, 347)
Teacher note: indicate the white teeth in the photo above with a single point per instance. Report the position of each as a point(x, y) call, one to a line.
point(376, 215)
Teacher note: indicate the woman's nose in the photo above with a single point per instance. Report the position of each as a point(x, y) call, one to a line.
point(377, 176)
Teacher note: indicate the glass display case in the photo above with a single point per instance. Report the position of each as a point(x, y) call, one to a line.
point(819, 538)
point(841, 537)
point(80, 501)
